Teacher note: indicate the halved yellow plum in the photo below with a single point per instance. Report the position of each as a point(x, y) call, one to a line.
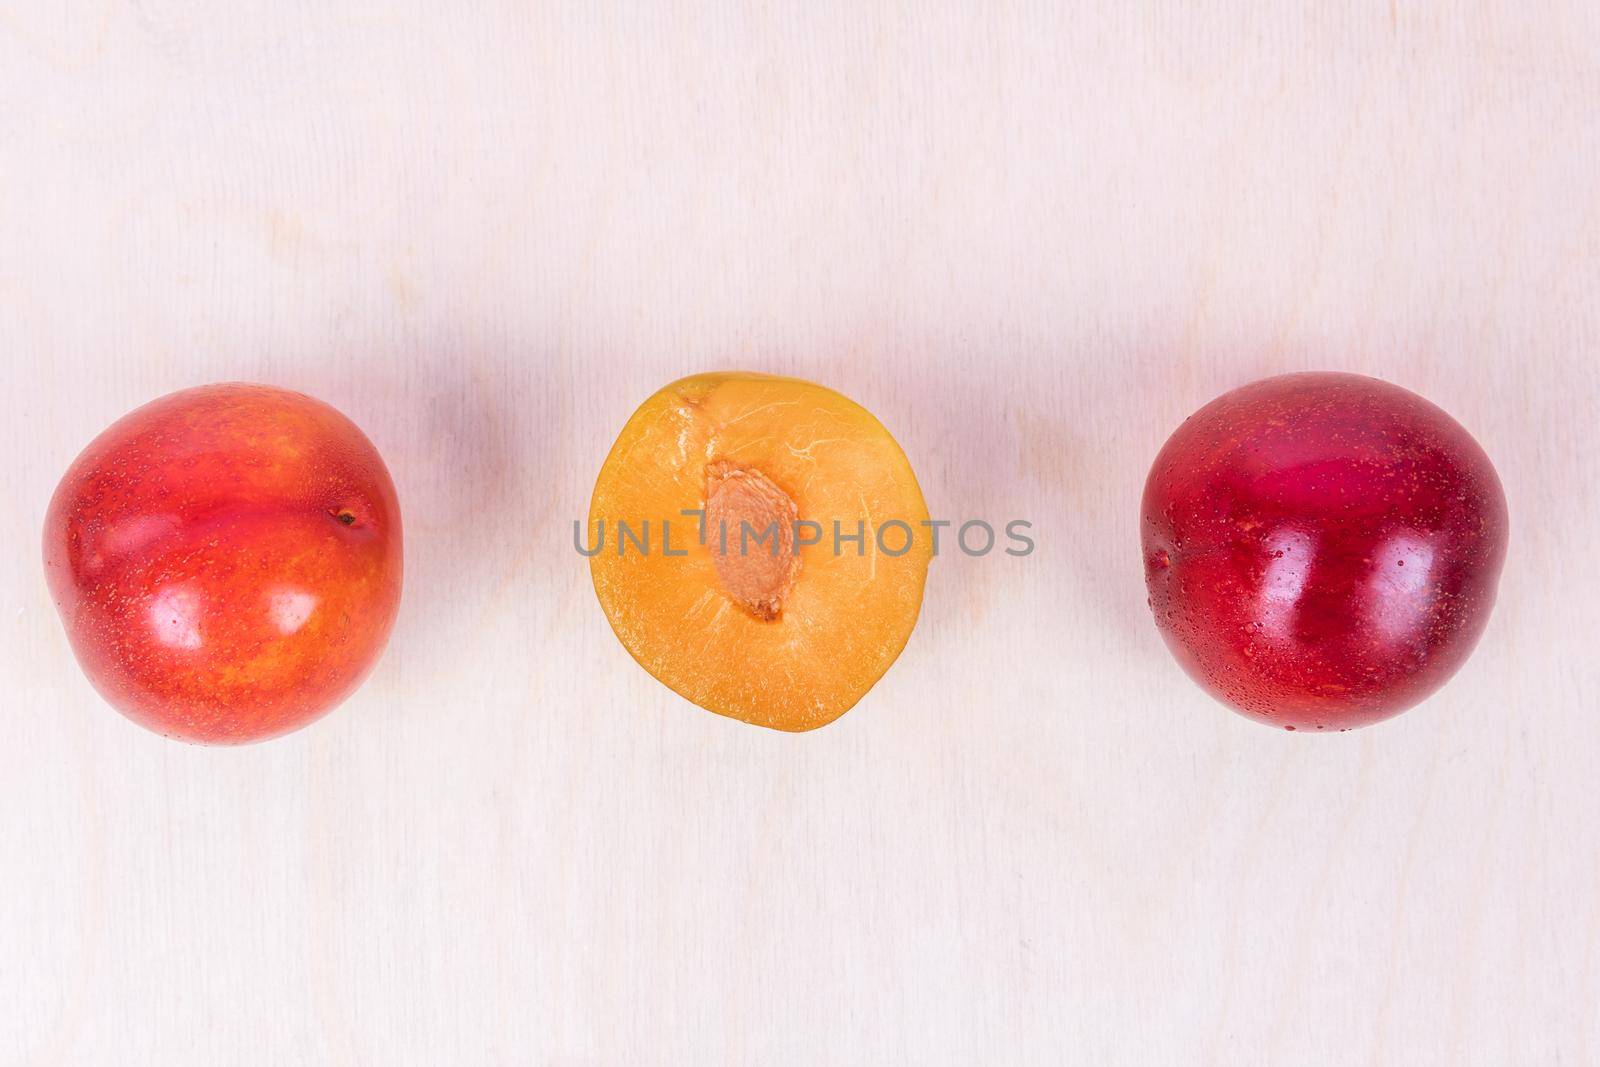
point(760, 546)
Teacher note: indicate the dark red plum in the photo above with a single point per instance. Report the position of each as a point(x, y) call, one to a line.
point(1322, 550)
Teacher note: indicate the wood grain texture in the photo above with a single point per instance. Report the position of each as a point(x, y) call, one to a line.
point(1031, 238)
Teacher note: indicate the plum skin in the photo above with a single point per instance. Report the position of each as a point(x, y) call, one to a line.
point(1322, 549)
point(226, 561)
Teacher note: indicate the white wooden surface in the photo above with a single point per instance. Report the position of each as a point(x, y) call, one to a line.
point(1031, 238)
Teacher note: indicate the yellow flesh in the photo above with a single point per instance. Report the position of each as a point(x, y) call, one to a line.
point(786, 644)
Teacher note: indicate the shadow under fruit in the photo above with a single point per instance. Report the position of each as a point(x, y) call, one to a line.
point(1322, 550)
point(226, 561)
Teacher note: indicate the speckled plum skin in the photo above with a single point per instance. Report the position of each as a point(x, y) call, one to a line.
point(226, 561)
point(1322, 550)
